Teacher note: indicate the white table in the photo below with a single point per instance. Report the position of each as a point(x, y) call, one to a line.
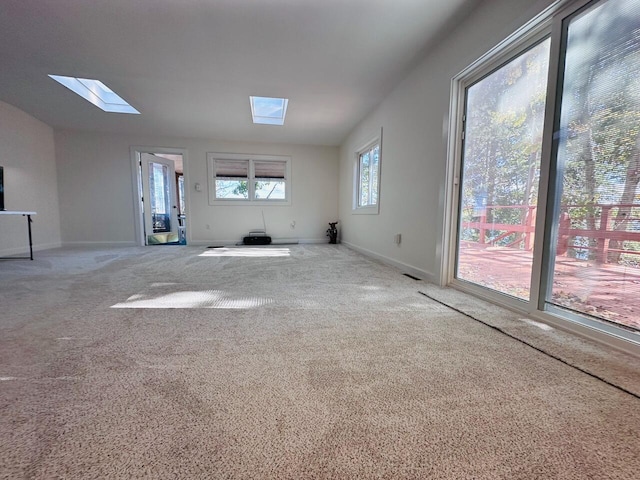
point(24, 214)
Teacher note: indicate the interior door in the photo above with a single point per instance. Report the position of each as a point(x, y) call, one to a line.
point(159, 200)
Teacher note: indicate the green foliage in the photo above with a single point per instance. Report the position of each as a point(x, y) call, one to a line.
point(503, 139)
point(598, 151)
point(598, 155)
point(242, 189)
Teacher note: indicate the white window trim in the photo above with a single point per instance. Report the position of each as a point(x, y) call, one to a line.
point(211, 179)
point(368, 209)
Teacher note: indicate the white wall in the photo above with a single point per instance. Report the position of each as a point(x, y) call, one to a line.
point(414, 117)
point(96, 196)
point(27, 154)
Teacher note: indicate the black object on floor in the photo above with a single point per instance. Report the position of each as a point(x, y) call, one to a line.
point(257, 240)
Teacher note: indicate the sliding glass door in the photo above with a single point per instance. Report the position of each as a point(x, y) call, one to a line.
point(582, 259)
point(504, 115)
point(595, 269)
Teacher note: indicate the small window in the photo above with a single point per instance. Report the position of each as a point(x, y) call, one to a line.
point(232, 178)
point(270, 180)
point(367, 178)
point(96, 92)
point(238, 178)
point(268, 110)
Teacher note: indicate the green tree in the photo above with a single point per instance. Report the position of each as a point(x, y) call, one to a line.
point(502, 141)
point(600, 114)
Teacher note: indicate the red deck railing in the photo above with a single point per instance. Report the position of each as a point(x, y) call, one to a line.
point(602, 235)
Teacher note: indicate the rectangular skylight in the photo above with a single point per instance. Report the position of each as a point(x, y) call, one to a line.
point(268, 110)
point(97, 93)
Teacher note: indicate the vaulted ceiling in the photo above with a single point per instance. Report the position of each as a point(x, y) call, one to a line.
point(189, 66)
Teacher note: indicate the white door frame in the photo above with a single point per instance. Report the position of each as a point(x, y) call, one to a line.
point(172, 187)
point(135, 152)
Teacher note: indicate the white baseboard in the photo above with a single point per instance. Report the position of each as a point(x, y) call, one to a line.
point(24, 250)
point(404, 267)
point(100, 244)
point(46, 246)
point(313, 240)
point(274, 241)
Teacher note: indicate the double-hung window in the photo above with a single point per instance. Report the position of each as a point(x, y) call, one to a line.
point(231, 178)
point(237, 178)
point(367, 178)
point(270, 179)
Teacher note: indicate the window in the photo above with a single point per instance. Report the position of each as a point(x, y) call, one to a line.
point(96, 92)
point(246, 179)
point(160, 185)
point(270, 180)
point(500, 172)
point(595, 265)
point(367, 178)
point(231, 178)
point(181, 202)
point(268, 110)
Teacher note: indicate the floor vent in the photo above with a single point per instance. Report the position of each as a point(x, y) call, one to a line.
point(411, 276)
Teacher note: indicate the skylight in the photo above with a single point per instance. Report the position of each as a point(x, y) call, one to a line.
point(268, 110)
point(97, 93)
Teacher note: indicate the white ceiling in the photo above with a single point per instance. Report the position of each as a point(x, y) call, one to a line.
point(189, 66)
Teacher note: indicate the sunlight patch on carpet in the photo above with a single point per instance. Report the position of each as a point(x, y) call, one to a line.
point(247, 252)
point(191, 299)
point(540, 325)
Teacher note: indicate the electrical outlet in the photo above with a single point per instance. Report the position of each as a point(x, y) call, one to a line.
point(293, 224)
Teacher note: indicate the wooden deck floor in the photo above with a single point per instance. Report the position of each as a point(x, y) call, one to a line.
point(610, 292)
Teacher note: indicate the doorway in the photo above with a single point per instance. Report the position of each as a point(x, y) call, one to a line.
point(160, 196)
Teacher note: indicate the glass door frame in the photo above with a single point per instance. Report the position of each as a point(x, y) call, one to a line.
point(511, 48)
point(553, 193)
point(136, 184)
point(170, 197)
point(549, 23)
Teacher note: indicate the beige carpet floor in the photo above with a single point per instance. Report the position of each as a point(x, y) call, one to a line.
point(290, 362)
